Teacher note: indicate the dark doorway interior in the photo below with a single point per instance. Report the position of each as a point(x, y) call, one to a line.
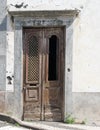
point(53, 58)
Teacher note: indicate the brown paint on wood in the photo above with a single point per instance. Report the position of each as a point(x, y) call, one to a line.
point(43, 99)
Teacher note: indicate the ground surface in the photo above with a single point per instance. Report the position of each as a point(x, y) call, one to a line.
point(7, 126)
point(46, 126)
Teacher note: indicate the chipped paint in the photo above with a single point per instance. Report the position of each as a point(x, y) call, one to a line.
point(24, 5)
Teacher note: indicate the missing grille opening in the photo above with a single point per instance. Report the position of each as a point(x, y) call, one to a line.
point(33, 84)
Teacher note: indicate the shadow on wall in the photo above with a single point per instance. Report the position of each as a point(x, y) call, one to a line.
point(3, 24)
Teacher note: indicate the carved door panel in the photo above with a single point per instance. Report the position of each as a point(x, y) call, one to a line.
point(32, 74)
point(43, 74)
point(53, 78)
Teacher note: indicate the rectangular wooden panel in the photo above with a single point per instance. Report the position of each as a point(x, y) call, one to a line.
point(53, 104)
point(32, 94)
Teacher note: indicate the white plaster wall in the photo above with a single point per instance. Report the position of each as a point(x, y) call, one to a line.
point(86, 38)
point(46, 4)
point(86, 49)
point(10, 56)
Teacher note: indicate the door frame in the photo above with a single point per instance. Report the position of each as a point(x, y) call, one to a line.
point(49, 19)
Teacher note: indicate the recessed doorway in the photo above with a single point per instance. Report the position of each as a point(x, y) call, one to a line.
point(43, 65)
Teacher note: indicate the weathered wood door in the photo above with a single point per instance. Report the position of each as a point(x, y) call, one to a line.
point(43, 74)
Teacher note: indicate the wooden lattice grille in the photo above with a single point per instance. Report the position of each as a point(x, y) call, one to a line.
point(32, 62)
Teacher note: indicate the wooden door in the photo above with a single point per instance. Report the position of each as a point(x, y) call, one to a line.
point(43, 74)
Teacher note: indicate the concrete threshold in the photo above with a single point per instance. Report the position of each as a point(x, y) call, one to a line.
point(43, 125)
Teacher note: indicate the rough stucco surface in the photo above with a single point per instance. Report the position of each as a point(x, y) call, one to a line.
point(86, 107)
point(82, 95)
point(3, 22)
point(2, 101)
point(46, 5)
point(86, 49)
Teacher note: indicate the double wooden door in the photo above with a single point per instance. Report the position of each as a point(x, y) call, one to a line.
point(43, 74)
